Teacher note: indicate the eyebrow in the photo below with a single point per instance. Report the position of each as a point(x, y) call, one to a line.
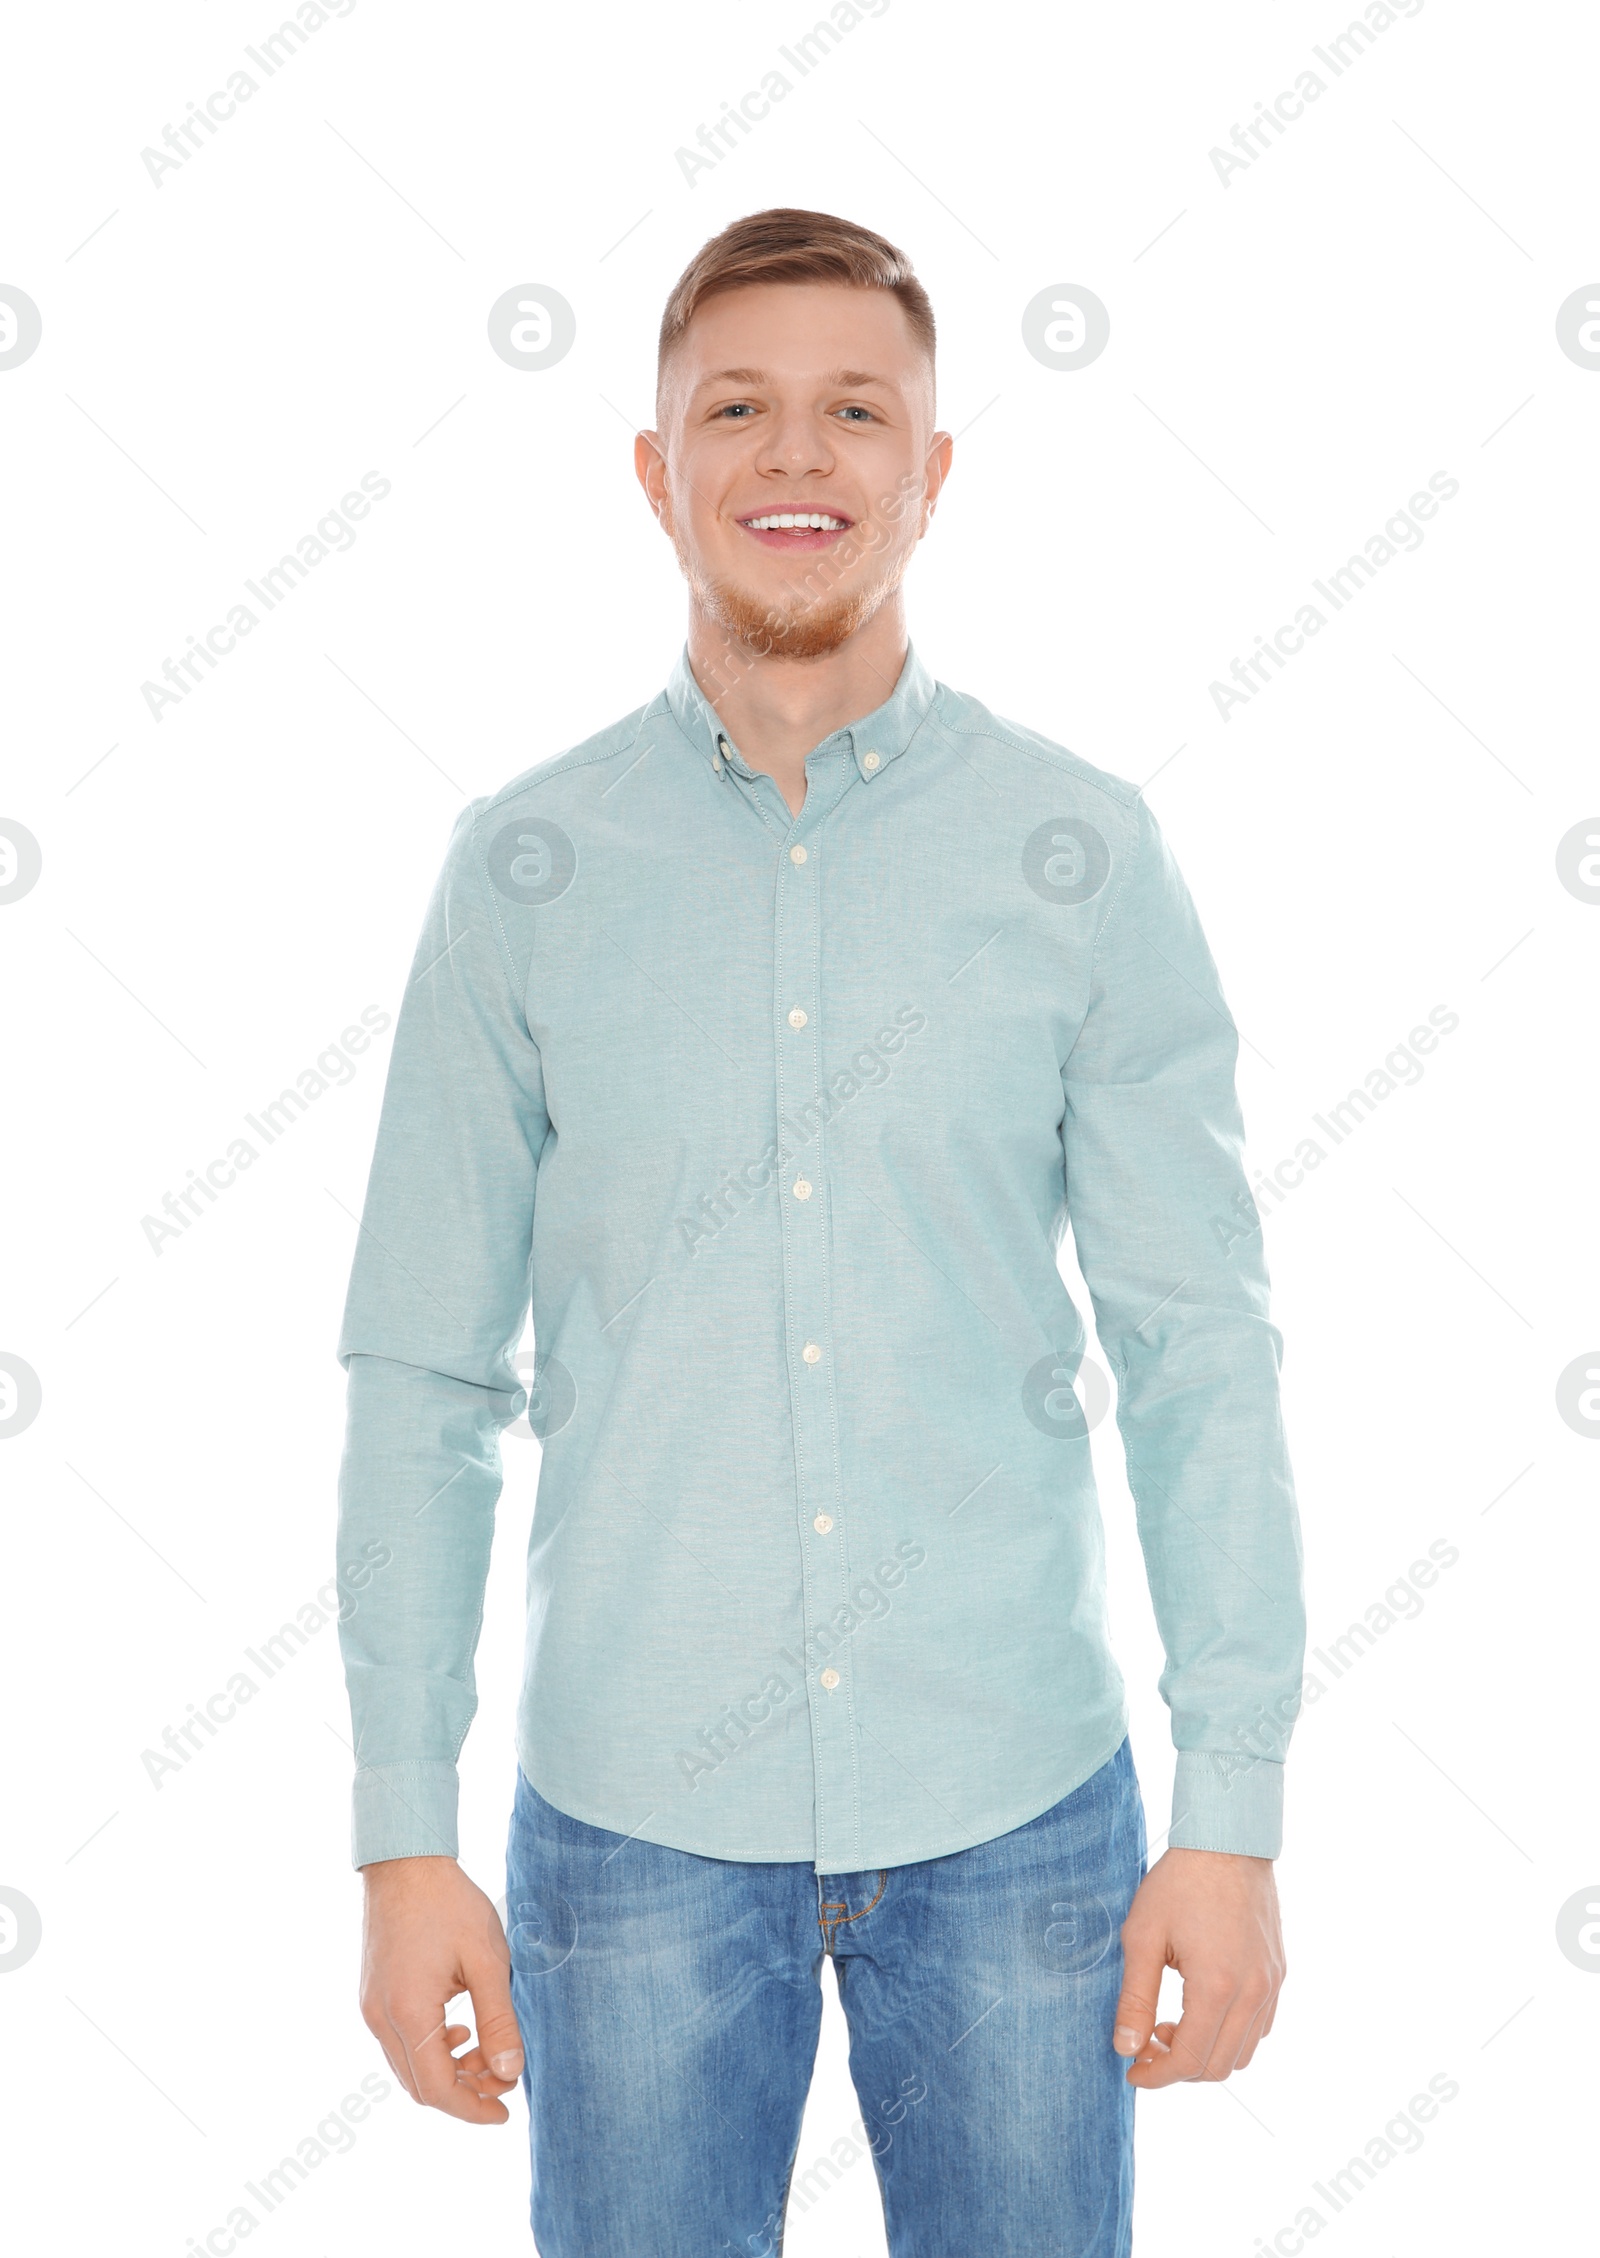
point(851, 378)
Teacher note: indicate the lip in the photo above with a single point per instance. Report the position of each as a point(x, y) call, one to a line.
point(797, 544)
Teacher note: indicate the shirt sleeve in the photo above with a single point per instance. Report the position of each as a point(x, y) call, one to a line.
point(1169, 1241)
point(438, 1293)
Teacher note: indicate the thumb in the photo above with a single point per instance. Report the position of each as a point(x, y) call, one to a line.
point(499, 2039)
point(1143, 1961)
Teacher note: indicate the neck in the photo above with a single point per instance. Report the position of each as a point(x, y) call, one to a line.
point(776, 710)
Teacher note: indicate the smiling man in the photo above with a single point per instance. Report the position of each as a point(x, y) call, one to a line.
point(768, 1042)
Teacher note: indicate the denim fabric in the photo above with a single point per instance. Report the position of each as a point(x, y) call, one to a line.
point(780, 1120)
point(670, 2006)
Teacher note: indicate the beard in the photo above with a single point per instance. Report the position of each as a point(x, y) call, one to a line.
point(800, 625)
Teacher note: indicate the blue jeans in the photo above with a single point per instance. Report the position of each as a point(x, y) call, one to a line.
point(670, 2006)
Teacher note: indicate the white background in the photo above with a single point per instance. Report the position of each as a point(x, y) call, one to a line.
point(1292, 354)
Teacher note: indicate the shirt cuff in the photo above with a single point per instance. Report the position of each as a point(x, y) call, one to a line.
point(403, 1811)
point(1232, 1803)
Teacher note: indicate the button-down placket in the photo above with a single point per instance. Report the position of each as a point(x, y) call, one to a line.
point(850, 758)
point(805, 1227)
point(805, 1223)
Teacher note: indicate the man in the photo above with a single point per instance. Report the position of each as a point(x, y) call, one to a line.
point(770, 1038)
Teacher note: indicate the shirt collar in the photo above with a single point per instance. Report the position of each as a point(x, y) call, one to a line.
point(873, 742)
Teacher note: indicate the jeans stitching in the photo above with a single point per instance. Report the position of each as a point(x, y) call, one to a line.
point(842, 1914)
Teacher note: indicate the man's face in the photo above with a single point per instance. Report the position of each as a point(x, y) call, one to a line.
point(799, 400)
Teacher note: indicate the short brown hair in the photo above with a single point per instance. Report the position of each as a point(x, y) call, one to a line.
point(785, 245)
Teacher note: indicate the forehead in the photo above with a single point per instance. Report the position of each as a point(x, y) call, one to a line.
point(799, 333)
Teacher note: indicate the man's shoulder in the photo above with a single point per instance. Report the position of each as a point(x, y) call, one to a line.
point(995, 738)
point(552, 779)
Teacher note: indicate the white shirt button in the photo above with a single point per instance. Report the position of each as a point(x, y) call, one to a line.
point(797, 1017)
point(823, 1523)
point(797, 854)
point(722, 744)
point(869, 760)
point(811, 1352)
point(830, 1678)
point(802, 1190)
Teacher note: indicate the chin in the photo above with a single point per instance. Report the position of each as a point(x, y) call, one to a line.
point(783, 628)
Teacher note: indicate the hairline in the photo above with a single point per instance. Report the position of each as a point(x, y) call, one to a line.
point(668, 355)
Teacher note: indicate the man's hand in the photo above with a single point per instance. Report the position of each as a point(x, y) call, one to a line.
point(1214, 1917)
point(429, 1934)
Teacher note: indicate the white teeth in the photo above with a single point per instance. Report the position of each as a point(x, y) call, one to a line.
point(790, 521)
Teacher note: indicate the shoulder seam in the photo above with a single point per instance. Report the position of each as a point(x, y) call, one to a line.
point(508, 962)
point(562, 764)
point(1084, 770)
point(1123, 876)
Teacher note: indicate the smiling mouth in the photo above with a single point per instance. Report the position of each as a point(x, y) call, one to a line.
point(796, 529)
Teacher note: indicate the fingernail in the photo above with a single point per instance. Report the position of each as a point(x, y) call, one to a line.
point(1125, 2041)
point(506, 2065)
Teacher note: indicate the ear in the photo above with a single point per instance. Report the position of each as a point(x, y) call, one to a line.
point(935, 471)
point(650, 466)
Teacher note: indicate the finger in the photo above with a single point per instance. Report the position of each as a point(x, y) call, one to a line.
point(1269, 2014)
point(1153, 2065)
point(1257, 2031)
point(489, 2089)
point(1143, 1958)
point(468, 2059)
point(473, 2070)
point(1229, 2043)
point(394, 2053)
point(433, 2067)
point(499, 2037)
point(383, 2030)
point(1192, 2039)
point(1199, 2032)
point(1156, 2049)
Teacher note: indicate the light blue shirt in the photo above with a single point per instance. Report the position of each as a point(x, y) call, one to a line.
point(781, 1120)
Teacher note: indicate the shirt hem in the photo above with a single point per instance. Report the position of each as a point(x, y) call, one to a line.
point(871, 1860)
